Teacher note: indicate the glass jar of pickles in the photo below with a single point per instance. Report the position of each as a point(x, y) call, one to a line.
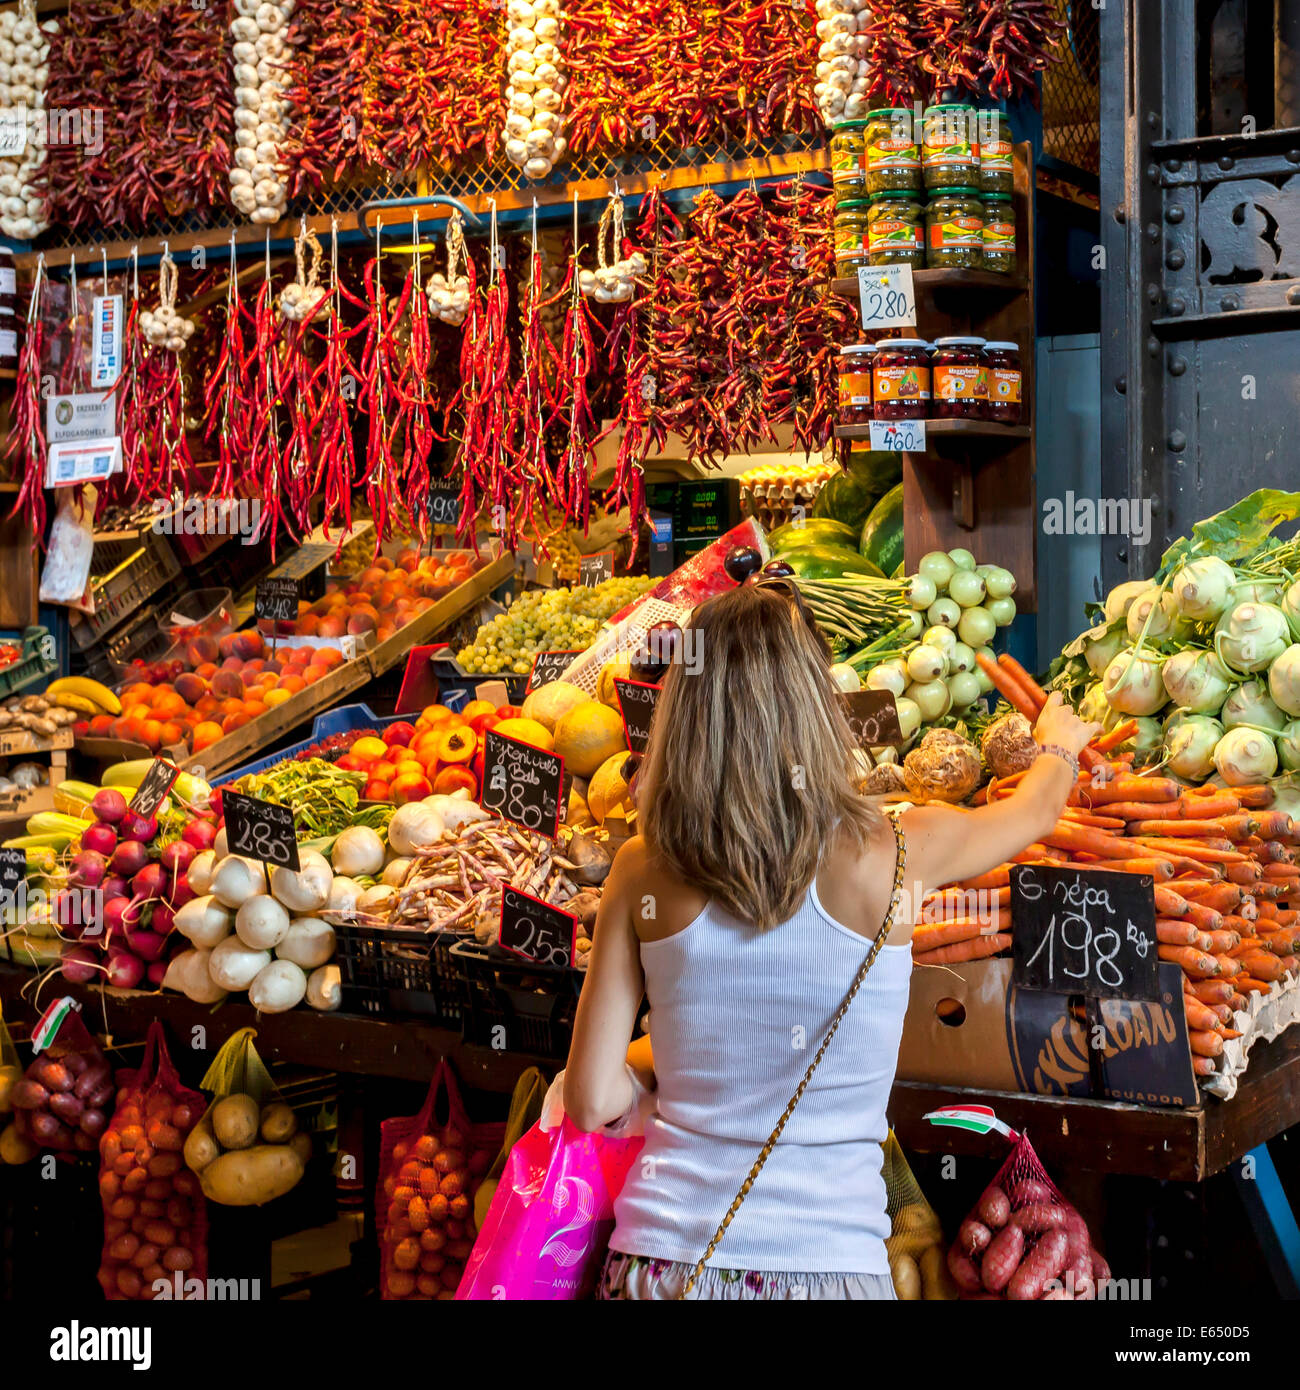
point(958, 378)
point(848, 160)
point(1004, 381)
point(950, 156)
point(999, 237)
point(895, 230)
point(855, 383)
point(954, 223)
point(893, 153)
point(851, 235)
point(997, 169)
point(900, 379)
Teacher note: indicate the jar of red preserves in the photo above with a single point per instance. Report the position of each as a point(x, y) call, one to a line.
point(900, 378)
point(1003, 403)
point(958, 374)
point(855, 383)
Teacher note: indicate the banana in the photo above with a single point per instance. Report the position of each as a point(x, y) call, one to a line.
point(78, 703)
point(87, 689)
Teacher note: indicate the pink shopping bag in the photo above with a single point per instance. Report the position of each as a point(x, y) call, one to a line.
point(546, 1232)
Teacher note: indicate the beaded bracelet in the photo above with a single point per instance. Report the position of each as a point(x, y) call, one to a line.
point(1057, 751)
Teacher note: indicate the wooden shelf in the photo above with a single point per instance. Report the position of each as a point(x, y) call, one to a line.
point(964, 431)
point(944, 280)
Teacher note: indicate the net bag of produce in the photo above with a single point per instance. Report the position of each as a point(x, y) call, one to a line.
point(915, 1242)
point(247, 1149)
point(548, 1227)
point(525, 1110)
point(430, 1166)
point(1023, 1241)
point(62, 1100)
point(155, 1218)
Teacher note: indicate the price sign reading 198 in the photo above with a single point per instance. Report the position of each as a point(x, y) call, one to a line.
point(887, 295)
point(898, 436)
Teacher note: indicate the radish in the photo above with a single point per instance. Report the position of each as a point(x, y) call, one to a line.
point(100, 838)
point(129, 858)
point(80, 965)
point(135, 827)
point(200, 834)
point(162, 918)
point(149, 882)
point(72, 912)
point(114, 917)
point(125, 970)
point(88, 869)
point(109, 805)
point(148, 945)
point(177, 856)
point(181, 893)
point(157, 971)
point(115, 886)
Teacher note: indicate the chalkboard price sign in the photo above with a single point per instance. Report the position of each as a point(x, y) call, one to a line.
point(595, 569)
point(522, 784)
point(536, 930)
point(260, 830)
point(1084, 931)
point(276, 599)
point(13, 869)
point(873, 717)
point(637, 702)
point(547, 667)
point(152, 791)
point(444, 504)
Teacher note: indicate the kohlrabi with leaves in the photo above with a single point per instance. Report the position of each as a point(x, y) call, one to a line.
point(1153, 615)
point(1101, 643)
point(1288, 750)
point(1289, 603)
point(1243, 757)
point(1145, 741)
point(1197, 681)
point(1251, 636)
point(1250, 706)
point(1132, 682)
point(1189, 742)
point(1121, 597)
point(1200, 588)
point(1284, 680)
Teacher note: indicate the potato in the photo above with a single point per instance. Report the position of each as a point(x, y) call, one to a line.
point(935, 1280)
point(301, 1145)
point(201, 1146)
point(250, 1177)
point(14, 1148)
point(9, 1078)
point(279, 1123)
point(235, 1121)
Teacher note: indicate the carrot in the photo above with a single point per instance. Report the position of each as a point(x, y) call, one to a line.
point(1281, 873)
point(1212, 991)
point(1262, 965)
point(1223, 1012)
point(993, 897)
point(1168, 826)
point(1204, 1066)
point(1081, 817)
point(1268, 912)
point(1207, 807)
point(977, 949)
point(1157, 868)
point(1103, 743)
point(1101, 842)
point(1017, 672)
point(926, 938)
point(1205, 917)
point(1196, 963)
point(1133, 788)
point(1220, 942)
point(1275, 852)
point(1222, 897)
point(1176, 933)
point(1210, 851)
point(1247, 873)
point(1200, 1016)
point(1009, 688)
point(995, 878)
point(1227, 1034)
point(1286, 917)
point(1238, 1003)
point(1239, 827)
point(1229, 965)
point(1205, 1044)
point(1290, 964)
point(1170, 903)
point(1257, 798)
point(1249, 985)
point(1144, 810)
point(1239, 923)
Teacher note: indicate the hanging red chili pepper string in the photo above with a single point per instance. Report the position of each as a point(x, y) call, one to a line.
point(262, 369)
point(412, 423)
point(336, 377)
point(1020, 38)
point(578, 359)
point(529, 400)
point(226, 407)
point(26, 446)
point(159, 389)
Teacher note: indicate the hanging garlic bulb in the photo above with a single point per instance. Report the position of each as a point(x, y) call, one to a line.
point(24, 68)
point(534, 127)
point(841, 87)
point(258, 186)
point(612, 282)
point(163, 327)
point(305, 298)
point(449, 294)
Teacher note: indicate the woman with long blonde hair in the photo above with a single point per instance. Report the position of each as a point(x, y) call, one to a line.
point(761, 888)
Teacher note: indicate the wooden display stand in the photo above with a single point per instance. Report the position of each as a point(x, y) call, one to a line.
point(974, 487)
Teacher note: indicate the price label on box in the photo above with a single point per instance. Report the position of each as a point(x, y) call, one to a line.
point(887, 296)
point(535, 929)
point(898, 436)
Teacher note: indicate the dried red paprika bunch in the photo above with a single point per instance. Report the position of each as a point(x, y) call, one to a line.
point(25, 449)
point(1020, 38)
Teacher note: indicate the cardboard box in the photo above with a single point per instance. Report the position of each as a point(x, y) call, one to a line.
point(968, 1025)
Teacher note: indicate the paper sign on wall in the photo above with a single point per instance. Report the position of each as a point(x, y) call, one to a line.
point(83, 415)
point(106, 339)
point(82, 461)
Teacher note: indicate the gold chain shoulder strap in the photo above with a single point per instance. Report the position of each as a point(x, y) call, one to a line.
point(900, 868)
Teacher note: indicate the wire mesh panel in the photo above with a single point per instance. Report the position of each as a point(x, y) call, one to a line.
point(1070, 96)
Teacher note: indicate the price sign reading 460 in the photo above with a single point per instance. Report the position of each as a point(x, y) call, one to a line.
point(888, 296)
point(260, 830)
point(536, 930)
point(522, 783)
point(152, 791)
point(898, 436)
point(1084, 931)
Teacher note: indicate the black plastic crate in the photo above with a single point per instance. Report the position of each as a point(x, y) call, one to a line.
point(515, 1005)
point(397, 970)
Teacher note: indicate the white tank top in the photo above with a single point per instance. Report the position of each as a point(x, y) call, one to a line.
point(737, 1013)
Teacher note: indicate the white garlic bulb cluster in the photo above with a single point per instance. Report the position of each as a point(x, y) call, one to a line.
point(448, 299)
point(257, 180)
point(613, 284)
point(535, 95)
point(841, 88)
point(163, 327)
point(24, 51)
point(301, 303)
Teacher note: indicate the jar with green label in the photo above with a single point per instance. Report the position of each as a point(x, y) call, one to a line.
point(954, 230)
point(851, 235)
point(950, 156)
point(893, 152)
point(848, 160)
point(896, 230)
point(997, 166)
point(999, 238)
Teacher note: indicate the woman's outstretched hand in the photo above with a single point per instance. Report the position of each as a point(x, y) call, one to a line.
point(1058, 723)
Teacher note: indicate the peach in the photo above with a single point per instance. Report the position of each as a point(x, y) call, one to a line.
point(226, 643)
point(277, 697)
point(311, 674)
point(410, 786)
point(202, 650)
point(308, 626)
point(227, 685)
point(291, 684)
point(190, 687)
point(249, 644)
point(274, 667)
point(231, 663)
point(234, 721)
point(362, 621)
point(369, 748)
point(375, 790)
point(206, 670)
point(332, 627)
point(206, 733)
point(328, 657)
point(254, 707)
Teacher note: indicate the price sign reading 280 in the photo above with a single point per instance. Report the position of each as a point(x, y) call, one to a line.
point(1084, 931)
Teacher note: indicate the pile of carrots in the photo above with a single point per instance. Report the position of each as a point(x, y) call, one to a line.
point(1223, 866)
